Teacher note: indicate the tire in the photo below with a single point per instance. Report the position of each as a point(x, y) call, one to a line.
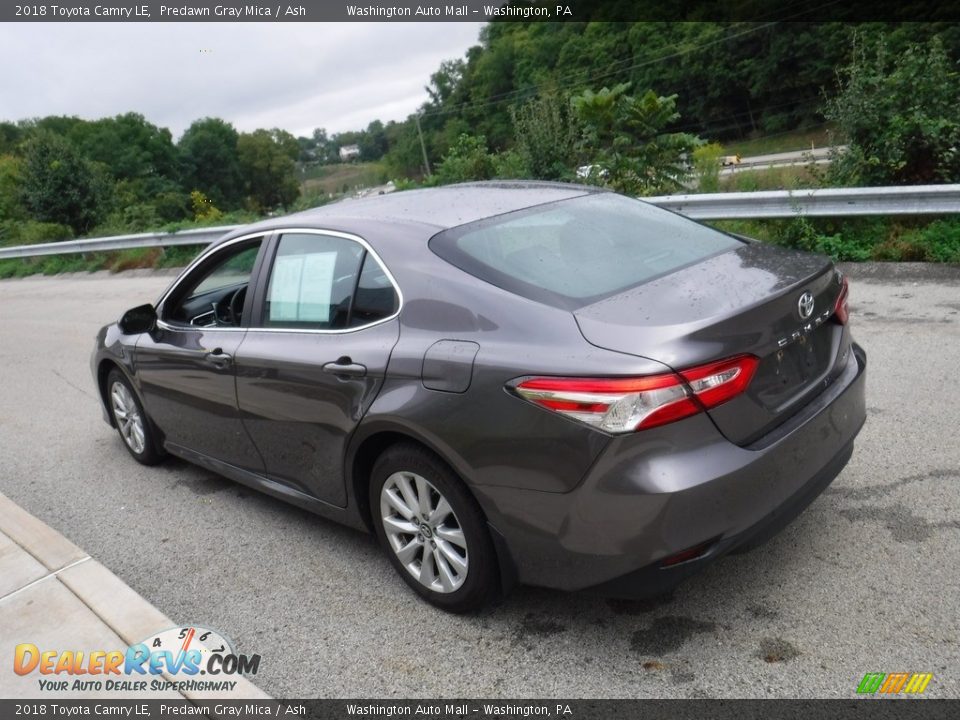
point(134, 427)
point(424, 549)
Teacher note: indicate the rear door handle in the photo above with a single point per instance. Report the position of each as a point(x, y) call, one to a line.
point(345, 369)
point(218, 358)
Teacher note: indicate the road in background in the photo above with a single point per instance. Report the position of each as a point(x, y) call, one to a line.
point(865, 580)
point(813, 156)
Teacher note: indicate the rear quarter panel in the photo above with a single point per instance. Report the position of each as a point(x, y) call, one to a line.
point(490, 436)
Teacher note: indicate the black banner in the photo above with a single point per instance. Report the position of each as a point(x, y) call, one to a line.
point(864, 708)
point(479, 11)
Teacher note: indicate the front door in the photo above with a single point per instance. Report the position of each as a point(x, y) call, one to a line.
point(186, 366)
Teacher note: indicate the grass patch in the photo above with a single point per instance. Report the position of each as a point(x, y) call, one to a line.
point(179, 255)
point(53, 264)
point(903, 239)
point(341, 178)
point(118, 261)
point(29, 233)
point(787, 177)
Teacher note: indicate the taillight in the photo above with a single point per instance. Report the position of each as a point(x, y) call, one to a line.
point(621, 405)
point(841, 310)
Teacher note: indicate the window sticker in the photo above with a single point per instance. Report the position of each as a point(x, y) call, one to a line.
point(301, 287)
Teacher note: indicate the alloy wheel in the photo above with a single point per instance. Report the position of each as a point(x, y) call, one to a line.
point(129, 419)
point(423, 532)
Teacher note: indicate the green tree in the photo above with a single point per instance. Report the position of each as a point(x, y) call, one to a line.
point(373, 141)
point(286, 142)
point(209, 161)
point(546, 135)
point(445, 82)
point(318, 148)
point(132, 148)
point(899, 115)
point(404, 158)
point(11, 168)
point(266, 160)
point(10, 136)
point(468, 159)
point(626, 141)
point(59, 185)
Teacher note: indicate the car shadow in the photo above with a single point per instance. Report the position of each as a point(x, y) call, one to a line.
point(734, 588)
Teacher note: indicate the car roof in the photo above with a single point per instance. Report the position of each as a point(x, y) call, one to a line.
point(436, 209)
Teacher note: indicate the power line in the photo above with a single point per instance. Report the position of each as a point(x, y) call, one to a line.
point(743, 113)
point(572, 79)
point(533, 89)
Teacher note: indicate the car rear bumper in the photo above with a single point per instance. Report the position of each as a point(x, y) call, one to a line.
point(652, 495)
point(656, 579)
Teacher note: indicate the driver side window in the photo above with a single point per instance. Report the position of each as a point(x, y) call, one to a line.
point(214, 293)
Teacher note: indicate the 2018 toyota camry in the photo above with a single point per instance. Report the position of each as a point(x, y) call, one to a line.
point(506, 382)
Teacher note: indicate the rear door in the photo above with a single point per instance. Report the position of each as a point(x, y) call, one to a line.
point(314, 359)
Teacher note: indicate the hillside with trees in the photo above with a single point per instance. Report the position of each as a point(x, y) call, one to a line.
point(731, 80)
point(62, 177)
point(637, 106)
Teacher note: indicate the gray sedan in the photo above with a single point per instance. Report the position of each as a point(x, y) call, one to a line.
point(506, 382)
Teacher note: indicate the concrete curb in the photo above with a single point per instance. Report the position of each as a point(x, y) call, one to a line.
point(900, 271)
point(49, 586)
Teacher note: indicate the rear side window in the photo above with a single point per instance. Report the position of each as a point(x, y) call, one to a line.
point(325, 282)
point(575, 252)
point(375, 298)
point(311, 282)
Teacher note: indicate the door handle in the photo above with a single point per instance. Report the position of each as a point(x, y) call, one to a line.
point(344, 367)
point(218, 358)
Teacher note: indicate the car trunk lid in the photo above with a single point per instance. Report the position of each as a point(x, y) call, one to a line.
point(745, 301)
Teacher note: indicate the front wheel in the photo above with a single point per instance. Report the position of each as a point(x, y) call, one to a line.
point(131, 421)
point(433, 530)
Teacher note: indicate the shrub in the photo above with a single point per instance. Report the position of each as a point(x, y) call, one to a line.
point(32, 232)
point(707, 164)
point(546, 134)
point(203, 209)
point(626, 137)
point(468, 159)
point(898, 114)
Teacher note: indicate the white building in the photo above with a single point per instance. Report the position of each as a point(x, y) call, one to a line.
point(349, 152)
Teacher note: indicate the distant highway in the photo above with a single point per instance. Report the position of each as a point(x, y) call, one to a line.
point(815, 156)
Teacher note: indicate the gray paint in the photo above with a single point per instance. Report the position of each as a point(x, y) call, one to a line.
point(575, 507)
point(448, 365)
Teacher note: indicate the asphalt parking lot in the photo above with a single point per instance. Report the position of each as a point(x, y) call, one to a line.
point(866, 580)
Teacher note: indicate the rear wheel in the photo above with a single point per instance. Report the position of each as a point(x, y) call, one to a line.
point(132, 423)
point(432, 529)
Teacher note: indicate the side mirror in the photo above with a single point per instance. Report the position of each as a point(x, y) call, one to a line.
point(140, 319)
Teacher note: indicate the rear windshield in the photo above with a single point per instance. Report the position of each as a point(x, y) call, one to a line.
point(574, 252)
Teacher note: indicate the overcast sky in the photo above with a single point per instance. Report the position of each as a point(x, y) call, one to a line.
point(339, 76)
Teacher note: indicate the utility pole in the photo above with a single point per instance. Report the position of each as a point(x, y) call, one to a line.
point(423, 147)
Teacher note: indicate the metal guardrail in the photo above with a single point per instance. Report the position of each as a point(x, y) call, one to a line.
point(198, 236)
point(823, 202)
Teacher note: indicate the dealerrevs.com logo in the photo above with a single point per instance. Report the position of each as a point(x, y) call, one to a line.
point(190, 658)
